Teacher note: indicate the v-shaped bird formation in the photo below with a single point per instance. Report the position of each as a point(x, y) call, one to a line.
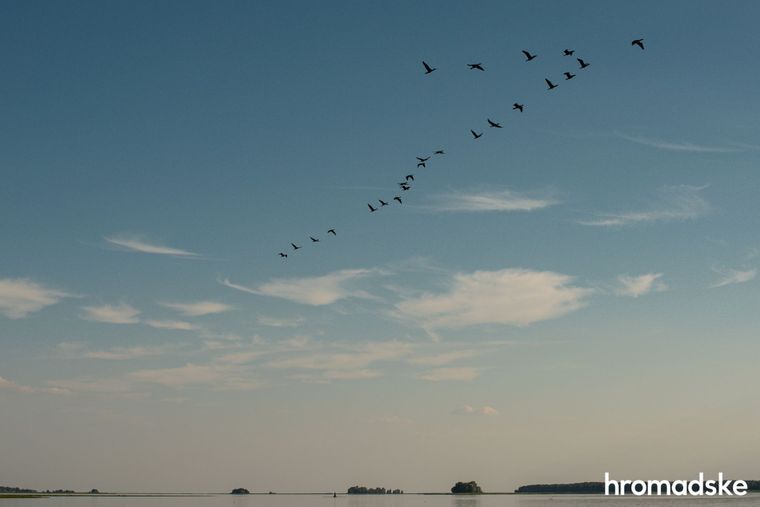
point(422, 161)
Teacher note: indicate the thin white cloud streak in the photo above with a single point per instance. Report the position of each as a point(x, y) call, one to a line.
point(199, 308)
point(125, 353)
point(19, 297)
point(486, 410)
point(635, 286)
point(137, 244)
point(171, 324)
point(9, 385)
point(509, 296)
point(679, 146)
point(676, 203)
point(112, 314)
point(733, 276)
point(488, 201)
point(219, 376)
point(443, 358)
point(460, 373)
point(315, 291)
point(279, 322)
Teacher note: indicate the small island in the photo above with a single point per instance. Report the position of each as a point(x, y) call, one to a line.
point(466, 488)
point(363, 490)
point(240, 491)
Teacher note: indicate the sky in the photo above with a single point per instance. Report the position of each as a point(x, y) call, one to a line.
point(572, 294)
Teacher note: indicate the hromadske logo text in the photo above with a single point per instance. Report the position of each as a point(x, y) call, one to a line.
point(696, 487)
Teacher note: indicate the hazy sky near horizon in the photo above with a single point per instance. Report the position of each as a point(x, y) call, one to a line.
point(573, 294)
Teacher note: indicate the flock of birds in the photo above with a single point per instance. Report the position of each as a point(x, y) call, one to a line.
point(422, 161)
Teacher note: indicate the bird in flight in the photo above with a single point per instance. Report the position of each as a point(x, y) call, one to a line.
point(438, 152)
point(295, 247)
point(423, 159)
point(409, 177)
point(405, 187)
point(638, 42)
point(371, 209)
point(569, 75)
point(518, 107)
point(528, 56)
point(475, 134)
point(476, 66)
point(421, 164)
point(283, 255)
point(582, 63)
point(332, 231)
point(550, 84)
point(428, 68)
point(568, 52)
point(397, 198)
point(493, 124)
point(382, 203)
point(313, 239)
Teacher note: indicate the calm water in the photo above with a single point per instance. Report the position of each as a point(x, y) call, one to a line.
point(375, 501)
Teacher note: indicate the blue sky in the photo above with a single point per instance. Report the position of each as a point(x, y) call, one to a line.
point(572, 294)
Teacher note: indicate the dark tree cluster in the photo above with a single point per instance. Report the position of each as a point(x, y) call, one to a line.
point(7, 489)
point(573, 488)
point(466, 488)
point(240, 491)
point(364, 490)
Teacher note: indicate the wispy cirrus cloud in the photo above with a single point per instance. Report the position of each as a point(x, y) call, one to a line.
point(138, 244)
point(635, 286)
point(218, 376)
point(315, 291)
point(674, 203)
point(112, 314)
point(733, 276)
point(279, 322)
point(9, 385)
point(663, 144)
point(80, 350)
point(19, 297)
point(488, 201)
point(509, 296)
point(486, 410)
point(199, 308)
point(171, 324)
point(349, 362)
point(450, 373)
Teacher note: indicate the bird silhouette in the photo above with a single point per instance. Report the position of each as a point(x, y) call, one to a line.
point(405, 187)
point(476, 66)
point(568, 52)
point(528, 56)
point(295, 247)
point(421, 159)
point(569, 75)
point(475, 134)
point(582, 63)
point(428, 68)
point(283, 255)
point(409, 177)
point(493, 124)
point(332, 231)
point(550, 84)
point(421, 164)
point(438, 152)
point(371, 209)
point(313, 239)
point(382, 203)
point(518, 107)
point(638, 42)
point(397, 198)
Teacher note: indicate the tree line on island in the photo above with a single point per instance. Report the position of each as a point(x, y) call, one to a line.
point(364, 490)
